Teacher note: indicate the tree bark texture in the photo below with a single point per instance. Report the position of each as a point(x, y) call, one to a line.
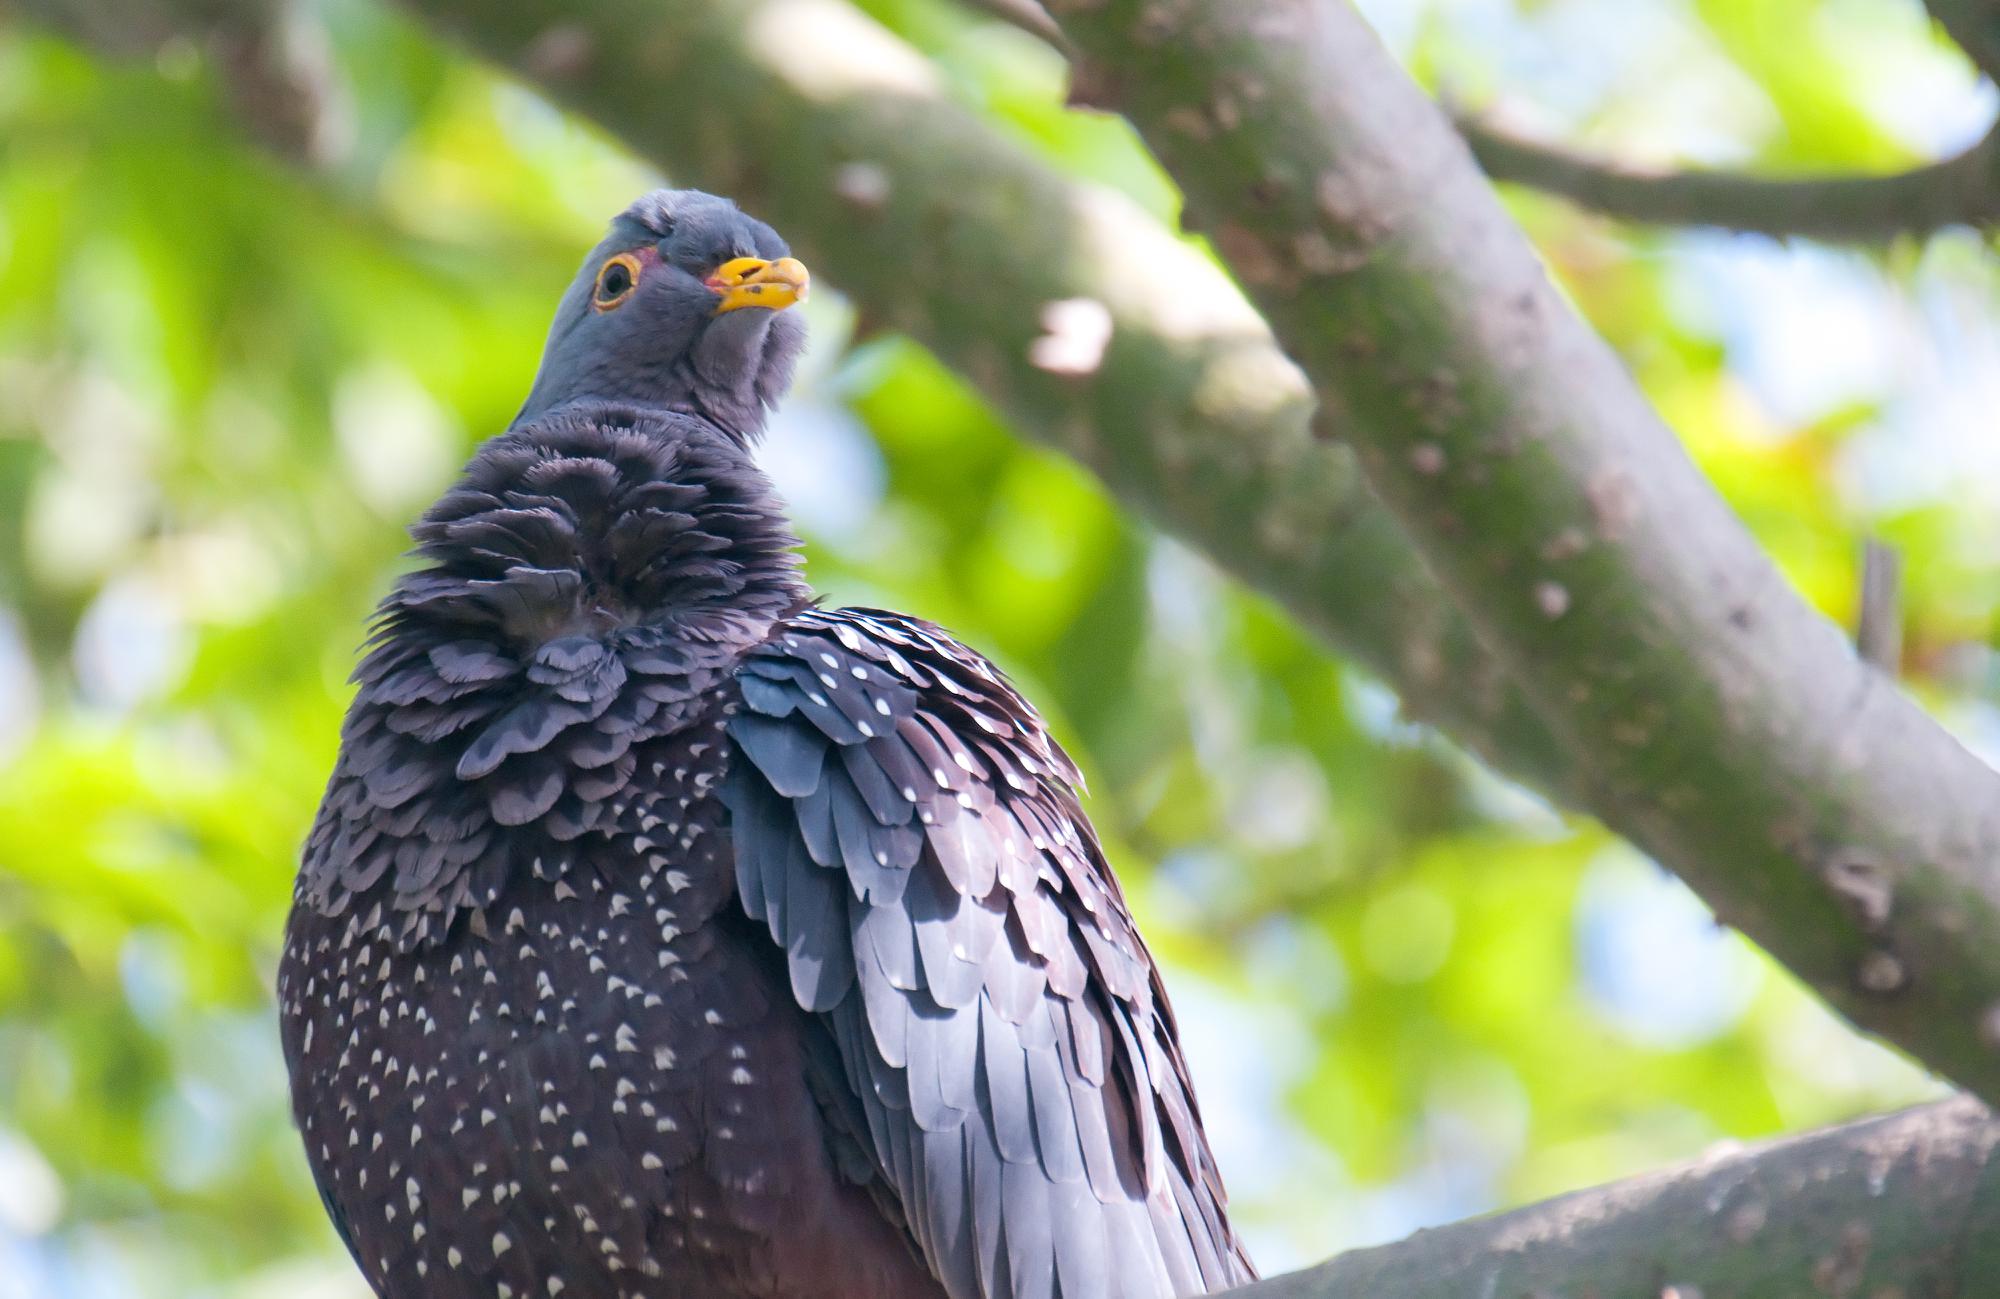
point(1729, 730)
point(1906, 1206)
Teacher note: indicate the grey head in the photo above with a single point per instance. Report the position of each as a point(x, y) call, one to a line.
point(683, 306)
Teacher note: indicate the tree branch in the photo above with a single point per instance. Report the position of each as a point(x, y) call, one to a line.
point(1905, 1204)
point(1732, 731)
point(1961, 190)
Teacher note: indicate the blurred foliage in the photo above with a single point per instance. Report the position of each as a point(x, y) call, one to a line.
point(1410, 991)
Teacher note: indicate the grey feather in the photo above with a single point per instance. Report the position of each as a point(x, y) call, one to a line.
point(997, 986)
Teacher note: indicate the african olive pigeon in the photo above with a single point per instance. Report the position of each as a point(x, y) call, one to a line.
point(663, 933)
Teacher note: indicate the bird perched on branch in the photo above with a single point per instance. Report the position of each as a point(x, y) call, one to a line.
point(662, 933)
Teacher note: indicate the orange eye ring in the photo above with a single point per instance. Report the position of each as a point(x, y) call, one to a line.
point(616, 280)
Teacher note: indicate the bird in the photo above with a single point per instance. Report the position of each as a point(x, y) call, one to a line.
point(665, 932)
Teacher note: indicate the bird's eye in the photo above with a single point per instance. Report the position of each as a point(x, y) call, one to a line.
point(615, 281)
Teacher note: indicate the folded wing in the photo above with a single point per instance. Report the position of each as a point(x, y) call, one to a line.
point(911, 836)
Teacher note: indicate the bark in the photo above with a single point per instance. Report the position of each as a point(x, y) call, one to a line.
point(1960, 190)
point(1906, 1206)
point(819, 120)
point(1732, 732)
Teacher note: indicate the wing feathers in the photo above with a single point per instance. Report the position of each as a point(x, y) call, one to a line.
point(910, 835)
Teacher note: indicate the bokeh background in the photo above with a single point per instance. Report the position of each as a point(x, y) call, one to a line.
point(1411, 991)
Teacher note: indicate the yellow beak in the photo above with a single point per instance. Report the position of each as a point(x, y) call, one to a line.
point(754, 282)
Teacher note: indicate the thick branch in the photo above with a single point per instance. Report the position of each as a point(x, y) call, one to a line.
point(1732, 731)
point(821, 121)
point(1899, 1205)
point(1961, 190)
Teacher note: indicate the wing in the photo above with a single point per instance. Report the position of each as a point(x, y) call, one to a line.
point(912, 838)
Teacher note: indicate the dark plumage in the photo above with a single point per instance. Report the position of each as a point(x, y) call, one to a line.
point(664, 934)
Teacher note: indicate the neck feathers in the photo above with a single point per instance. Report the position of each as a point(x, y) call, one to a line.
point(597, 517)
point(588, 588)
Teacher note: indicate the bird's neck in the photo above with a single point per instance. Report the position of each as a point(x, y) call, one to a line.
point(733, 406)
point(586, 588)
point(731, 375)
point(599, 516)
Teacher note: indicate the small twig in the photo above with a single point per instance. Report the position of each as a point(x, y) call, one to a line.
point(1878, 633)
point(1030, 17)
point(1960, 190)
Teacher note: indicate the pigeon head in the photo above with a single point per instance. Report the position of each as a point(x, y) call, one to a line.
point(683, 306)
